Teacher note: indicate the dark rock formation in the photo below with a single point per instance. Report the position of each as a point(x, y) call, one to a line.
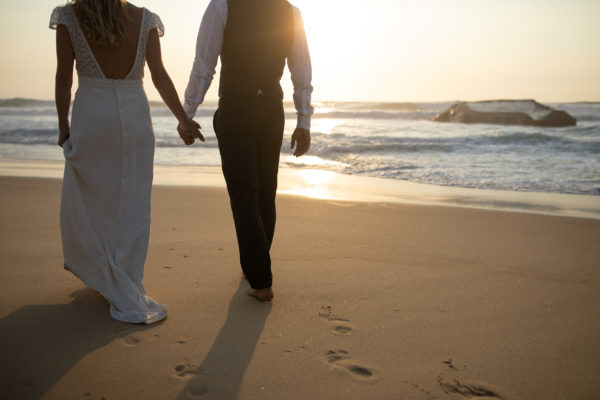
point(506, 112)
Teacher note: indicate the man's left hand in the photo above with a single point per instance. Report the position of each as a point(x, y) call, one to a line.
point(301, 140)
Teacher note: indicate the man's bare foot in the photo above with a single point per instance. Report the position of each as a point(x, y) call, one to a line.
point(262, 294)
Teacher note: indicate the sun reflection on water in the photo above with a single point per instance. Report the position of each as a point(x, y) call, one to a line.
point(316, 177)
point(325, 125)
point(313, 183)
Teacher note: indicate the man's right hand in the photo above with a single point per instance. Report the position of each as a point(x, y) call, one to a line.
point(189, 131)
point(301, 140)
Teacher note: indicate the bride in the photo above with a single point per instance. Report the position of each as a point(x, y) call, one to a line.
point(109, 146)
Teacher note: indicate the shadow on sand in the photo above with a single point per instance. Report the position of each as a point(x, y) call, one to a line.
point(39, 344)
point(221, 373)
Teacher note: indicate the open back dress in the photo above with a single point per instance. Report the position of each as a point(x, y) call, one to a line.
point(109, 156)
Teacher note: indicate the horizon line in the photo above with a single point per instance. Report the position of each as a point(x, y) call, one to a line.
point(8, 99)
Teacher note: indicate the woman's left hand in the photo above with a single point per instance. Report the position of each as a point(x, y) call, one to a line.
point(63, 136)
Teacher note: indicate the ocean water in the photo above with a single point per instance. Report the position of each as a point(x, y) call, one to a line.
point(387, 140)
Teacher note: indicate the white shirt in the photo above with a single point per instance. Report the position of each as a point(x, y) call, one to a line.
point(208, 48)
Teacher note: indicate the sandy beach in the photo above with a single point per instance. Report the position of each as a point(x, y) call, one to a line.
point(438, 200)
point(373, 300)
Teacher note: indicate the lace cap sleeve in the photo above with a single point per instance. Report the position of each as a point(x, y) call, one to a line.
point(58, 17)
point(155, 22)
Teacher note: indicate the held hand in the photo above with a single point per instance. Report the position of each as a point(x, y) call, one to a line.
point(187, 139)
point(63, 136)
point(301, 140)
point(189, 131)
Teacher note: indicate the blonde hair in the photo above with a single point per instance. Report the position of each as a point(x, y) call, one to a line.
point(102, 21)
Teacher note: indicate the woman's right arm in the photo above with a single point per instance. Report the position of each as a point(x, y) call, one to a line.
point(64, 80)
point(188, 129)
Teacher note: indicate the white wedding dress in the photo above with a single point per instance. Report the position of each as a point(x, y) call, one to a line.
point(105, 206)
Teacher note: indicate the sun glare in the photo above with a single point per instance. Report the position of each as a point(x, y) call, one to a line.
point(336, 27)
point(325, 125)
point(316, 177)
point(315, 183)
point(309, 183)
point(337, 31)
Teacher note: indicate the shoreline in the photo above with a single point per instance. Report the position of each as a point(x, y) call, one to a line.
point(333, 186)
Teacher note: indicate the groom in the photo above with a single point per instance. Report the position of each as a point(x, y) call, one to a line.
point(254, 38)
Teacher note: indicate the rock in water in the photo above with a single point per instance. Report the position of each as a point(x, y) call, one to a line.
point(506, 112)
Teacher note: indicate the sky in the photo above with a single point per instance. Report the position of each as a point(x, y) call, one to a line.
point(370, 50)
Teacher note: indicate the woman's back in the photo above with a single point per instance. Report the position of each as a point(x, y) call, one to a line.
point(117, 62)
point(126, 59)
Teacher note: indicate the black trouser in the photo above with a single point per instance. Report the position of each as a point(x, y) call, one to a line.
point(250, 131)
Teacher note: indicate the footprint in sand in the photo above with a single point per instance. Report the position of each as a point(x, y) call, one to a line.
point(335, 356)
point(186, 370)
point(469, 389)
point(327, 314)
point(359, 371)
point(195, 388)
point(342, 330)
point(341, 359)
point(452, 384)
point(131, 340)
